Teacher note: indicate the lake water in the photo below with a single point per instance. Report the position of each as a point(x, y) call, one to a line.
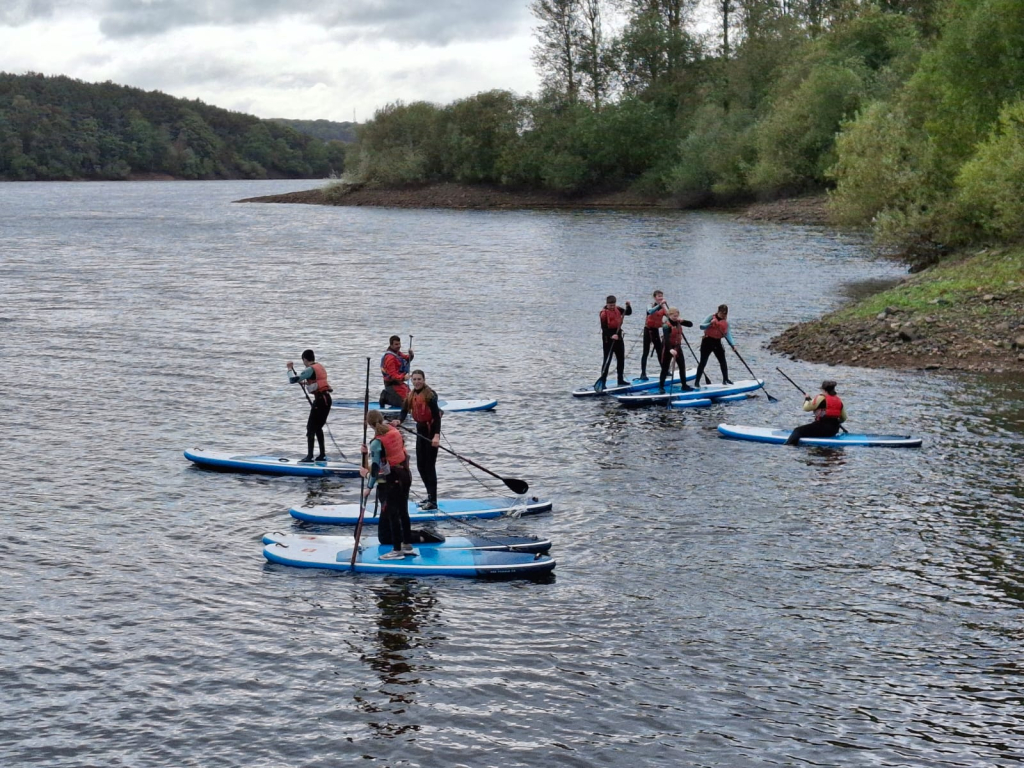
point(715, 603)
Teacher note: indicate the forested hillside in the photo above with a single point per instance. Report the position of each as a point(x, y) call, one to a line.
point(60, 128)
point(910, 110)
point(325, 130)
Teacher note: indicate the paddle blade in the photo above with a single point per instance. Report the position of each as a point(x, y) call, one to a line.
point(599, 385)
point(518, 487)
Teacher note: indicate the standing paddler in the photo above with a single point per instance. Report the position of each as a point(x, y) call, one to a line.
point(394, 367)
point(313, 380)
point(652, 331)
point(611, 338)
point(422, 404)
point(389, 466)
point(716, 328)
point(672, 349)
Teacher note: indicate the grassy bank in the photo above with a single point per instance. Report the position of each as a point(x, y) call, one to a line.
point(964, 313)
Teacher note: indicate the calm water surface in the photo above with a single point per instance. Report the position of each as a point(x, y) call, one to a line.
point(715, 603)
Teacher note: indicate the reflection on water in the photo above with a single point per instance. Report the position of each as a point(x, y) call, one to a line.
point(716, 602)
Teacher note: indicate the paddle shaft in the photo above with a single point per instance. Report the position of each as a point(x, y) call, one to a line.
point(707, 379)
point(362, 482)
point(737, 353)
point(514, 484)
point(801, 389)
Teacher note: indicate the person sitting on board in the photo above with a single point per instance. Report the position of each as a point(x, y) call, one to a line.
point(829, 413)
point(715, 327)
point(394, 367)
point(314, 380)
point(389, 466)
point(672, 349)
point(652, 331)
point(422, 404)
point(611, 337)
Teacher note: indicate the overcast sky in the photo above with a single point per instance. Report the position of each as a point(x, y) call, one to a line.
point(278, 58)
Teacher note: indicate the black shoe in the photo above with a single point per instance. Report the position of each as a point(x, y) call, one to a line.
point(686, 388)
point(726, 382)
point(643, 377)
point(661, 390)
point(623, 383)
point(321, 457)
point(307, 459)
point(427, 505)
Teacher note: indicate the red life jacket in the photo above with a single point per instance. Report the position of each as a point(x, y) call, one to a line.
point(612, 318)
point(654, 320)
point(402, 371)
point(420, 409)
point(831, 407)
point(319, 385)
point(394, 446)
point(675, 334)
point(717, 328)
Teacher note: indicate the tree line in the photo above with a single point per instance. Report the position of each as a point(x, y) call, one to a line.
point(60, 128)
point(909, 111)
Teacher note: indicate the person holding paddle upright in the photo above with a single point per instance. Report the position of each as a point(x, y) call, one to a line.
point(715, 327)
point(313, 380)
point(394, 367)
point(389, 466)
point(422, 404)
point(672, 349)
point(652, 331)
point(611, 338)
point(829, 414)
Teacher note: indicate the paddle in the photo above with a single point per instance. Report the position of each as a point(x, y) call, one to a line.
point(362, 482)
point(802, 392)
point(599, 384)
point(682, 376)
point(737, 353)
point(515, 485)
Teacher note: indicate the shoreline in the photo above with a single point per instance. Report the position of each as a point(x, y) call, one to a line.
point(964, 313)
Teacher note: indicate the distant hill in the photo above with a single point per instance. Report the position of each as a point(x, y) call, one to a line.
point(55, 127)
point(325, 130)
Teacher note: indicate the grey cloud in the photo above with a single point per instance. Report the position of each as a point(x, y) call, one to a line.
point(174, 74)
point(438, 22)
point(14, 13)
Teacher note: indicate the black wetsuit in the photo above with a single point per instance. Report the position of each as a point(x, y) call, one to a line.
point(608, 343)
point(426, 453)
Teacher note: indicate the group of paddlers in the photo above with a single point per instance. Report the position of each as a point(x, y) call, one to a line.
point(386, 463)
point(663, 337)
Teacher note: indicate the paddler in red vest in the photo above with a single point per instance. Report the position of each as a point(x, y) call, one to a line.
point(672, 349)
point(389, 466)
point(394, 367)
point(715, 327)
point(422, 404)
point(314, 380)
point(829, 413)
point(652, 331)
point(611, 336)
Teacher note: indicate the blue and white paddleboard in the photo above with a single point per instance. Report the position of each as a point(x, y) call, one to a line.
point(710, 392)
point(779, 436)
point(270, 465)
point(448, 406)
point(635, 385)
point(705, 402)
point(447, 509)
point(495, 543)
point(428, 561)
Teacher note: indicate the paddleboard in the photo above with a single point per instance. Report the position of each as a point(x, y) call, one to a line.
point(778, 437)
point(704, 402)
point(429, 560)
point(348, 514)
point(712, 392)
point(448, 406)
point(270, 465)
point(635, 385)
point(496, 543)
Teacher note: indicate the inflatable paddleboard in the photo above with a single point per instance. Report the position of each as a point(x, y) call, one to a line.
point(270, 465)
point(496, 543)
point(448, 406)
point(635, 385)
point(348, 514)
point(711, 392)
point(778, 437)
point(428, 561)
point(704, 402)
